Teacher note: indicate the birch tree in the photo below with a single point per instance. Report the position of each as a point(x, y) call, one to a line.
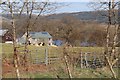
point(10, 8)
point(41, 8)
point(111, 7)
point(29, 8)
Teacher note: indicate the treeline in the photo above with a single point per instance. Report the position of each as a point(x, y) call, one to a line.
point(69, 29)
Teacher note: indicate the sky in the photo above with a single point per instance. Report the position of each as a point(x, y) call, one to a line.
point(71, 5)
point(74, 7)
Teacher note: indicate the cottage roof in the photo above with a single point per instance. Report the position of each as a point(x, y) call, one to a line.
point(2, 32)
point(38, 35)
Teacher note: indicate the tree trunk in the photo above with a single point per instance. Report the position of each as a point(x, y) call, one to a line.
point(15, 56)
point(67, 64)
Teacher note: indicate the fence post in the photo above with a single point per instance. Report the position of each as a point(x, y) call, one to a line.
point(94, 60)
point(46, 56)
point(86, 60)
point(36, 57)
point(81, 60)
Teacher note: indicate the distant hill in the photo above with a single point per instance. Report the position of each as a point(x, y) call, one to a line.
point(5, 19)
point(8, 16)
point(85, 16)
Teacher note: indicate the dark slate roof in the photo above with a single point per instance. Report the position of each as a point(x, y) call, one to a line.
point(35, 35)
point(40, 35)
point(2, 32)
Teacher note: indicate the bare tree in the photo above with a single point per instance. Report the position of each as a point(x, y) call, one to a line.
point(10, 8)
point(29, 8)
point(41, 8)
point(110, 7)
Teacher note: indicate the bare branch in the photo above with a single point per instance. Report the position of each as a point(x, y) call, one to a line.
point(22, 8)
point(45, 4)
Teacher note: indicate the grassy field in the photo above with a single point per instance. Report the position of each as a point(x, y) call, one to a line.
point(58, 68)
point(6, 48)
point(39, 51)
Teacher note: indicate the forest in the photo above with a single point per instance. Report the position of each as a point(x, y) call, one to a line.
point(66, 28)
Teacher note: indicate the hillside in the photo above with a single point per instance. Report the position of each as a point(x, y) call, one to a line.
point(85, 16)
point(78, 27)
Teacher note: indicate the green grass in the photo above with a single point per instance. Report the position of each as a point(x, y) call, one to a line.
point(7, 50)
point(39, 51)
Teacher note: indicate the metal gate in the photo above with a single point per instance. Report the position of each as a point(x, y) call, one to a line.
point(44, 56)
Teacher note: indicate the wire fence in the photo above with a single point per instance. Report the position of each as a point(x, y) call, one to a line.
point(49, 56)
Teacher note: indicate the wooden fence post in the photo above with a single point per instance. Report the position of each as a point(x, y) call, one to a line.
point(46, 56)
point(81, 60)
point(94, 60)
point(86, 60)
point(36, 57)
